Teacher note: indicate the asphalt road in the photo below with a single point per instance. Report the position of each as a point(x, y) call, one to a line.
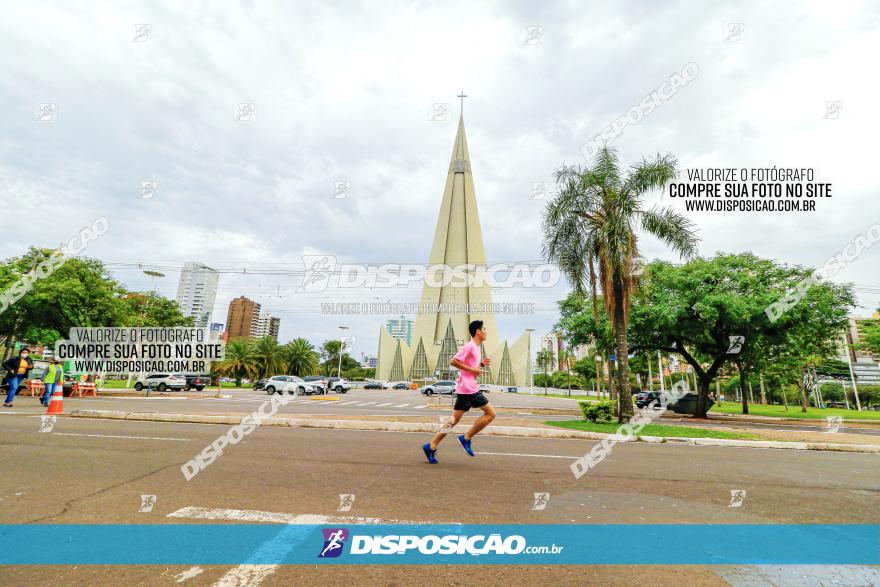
point(95, 471)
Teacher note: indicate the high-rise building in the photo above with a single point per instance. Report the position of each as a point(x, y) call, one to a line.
point(400, 329)
point(266, 325)
point(196, 291)
point(435, 338)
point(242, 317)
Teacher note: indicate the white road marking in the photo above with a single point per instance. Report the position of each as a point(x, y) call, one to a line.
point(367, 404)
point(421, 407)
point(516, 454)
point(347, 403)
point(112, 436)
point(381, 405)
point(276, 517)
point(402, 405)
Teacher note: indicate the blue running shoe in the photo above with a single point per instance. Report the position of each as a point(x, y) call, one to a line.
point(430, 453)
point(466, 445)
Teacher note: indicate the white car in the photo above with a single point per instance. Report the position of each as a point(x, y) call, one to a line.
point(160, 382)
point(289, 384)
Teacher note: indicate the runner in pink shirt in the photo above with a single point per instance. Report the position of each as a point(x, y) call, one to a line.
point(469, 361)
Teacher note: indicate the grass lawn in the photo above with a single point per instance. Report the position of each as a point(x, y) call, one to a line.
point(563, 395)
point(653, 430)
point(793, 411)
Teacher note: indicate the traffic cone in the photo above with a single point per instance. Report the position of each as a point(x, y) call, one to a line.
point(55, 406)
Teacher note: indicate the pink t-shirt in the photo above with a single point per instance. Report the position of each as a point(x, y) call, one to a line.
point(471, 356)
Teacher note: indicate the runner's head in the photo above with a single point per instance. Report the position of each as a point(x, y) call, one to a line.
point(23, 353)
point(477, 332)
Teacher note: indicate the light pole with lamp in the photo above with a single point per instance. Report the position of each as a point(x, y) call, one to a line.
point(155, 275)
point(341, 348)
point(530, 372)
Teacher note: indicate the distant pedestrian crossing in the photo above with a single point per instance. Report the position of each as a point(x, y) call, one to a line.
point(349, 403)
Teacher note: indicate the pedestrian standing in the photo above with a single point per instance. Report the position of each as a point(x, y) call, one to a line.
point(54, 376)
point(17, 370)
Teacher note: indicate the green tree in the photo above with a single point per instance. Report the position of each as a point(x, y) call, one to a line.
point(330, 355)
point(151, 309)
point(596, 216)
point(700, 310)
point(301, 357)
point(77, 293)
point(269, 356)
point(239, 360)
point(543, 360)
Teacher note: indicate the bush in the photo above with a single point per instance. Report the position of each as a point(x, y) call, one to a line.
point(602, 411)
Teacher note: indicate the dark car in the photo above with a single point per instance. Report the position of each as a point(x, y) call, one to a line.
point(259, 385)
point(401, 385)
point(646, 397)
point(373, 385)
point(193, 381)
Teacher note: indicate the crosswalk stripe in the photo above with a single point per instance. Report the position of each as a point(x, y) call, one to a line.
point(367, 403)
point(421, 407)
point(380, 405)
point(401, 405)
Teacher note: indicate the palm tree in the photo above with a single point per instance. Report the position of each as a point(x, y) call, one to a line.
point(594, 218)
point(269, 356)
point(238, 361)
point(543, 359)
point(301, 357)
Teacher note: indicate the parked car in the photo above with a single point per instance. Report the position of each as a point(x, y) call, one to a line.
point(194, 381)
point(401, 385)
point(161, 382)
point(339, 384)
point(298, 386)
point(373, 385)
point(290, 384)
point(484, 388)
point(835, 404)
point(512, 390)
point(319, 381)
point(445, 387)
point(259, 385)
point(646, 397)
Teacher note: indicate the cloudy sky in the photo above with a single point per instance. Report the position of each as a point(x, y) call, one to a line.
point(347, 92)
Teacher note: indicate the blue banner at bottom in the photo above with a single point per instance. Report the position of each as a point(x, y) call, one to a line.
point(420, 544)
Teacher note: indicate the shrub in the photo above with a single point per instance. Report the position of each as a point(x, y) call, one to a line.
point(601, 411)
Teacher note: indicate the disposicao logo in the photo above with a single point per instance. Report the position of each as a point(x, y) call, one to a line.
point(334, 541)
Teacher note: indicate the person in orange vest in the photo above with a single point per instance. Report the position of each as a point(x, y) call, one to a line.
point(18, 368)
point(54, 376)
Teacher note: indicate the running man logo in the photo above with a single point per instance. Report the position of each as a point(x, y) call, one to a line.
point(735, 344)
point(737, 497)
point(346, 500)
point(317, 272)
point(47, 423)
point(541, 500)
point(833, 424)
point(334, 541)
point(147, 503)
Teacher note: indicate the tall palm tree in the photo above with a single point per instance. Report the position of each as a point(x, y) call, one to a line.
point(301, 357)
point(594, 218)
point(238, 361)
point(269, 356)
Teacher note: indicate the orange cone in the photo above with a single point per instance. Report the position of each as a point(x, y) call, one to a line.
point(55, 406)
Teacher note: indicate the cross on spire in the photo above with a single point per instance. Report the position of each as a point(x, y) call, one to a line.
point(462, 95)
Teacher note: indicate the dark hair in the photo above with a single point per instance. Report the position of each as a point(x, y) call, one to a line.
point(24, 350)
point(474, 326)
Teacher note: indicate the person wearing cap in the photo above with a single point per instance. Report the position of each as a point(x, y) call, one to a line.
point(18, 368)
point(54, 376)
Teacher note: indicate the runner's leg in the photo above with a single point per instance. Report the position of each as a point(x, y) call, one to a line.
point(482, 421)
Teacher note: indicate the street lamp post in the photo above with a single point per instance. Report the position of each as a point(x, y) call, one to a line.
point(529, 373)
point(341, 348)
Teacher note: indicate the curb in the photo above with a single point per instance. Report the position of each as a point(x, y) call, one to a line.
point(429, 427)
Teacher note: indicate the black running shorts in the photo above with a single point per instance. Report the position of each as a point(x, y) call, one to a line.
point(466, 401)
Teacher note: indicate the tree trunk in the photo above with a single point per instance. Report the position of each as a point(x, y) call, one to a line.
point(784, 397)
point(763, 395)
point(742, 388)
point(625, 396)
point(702, 396)
point(807, 381)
